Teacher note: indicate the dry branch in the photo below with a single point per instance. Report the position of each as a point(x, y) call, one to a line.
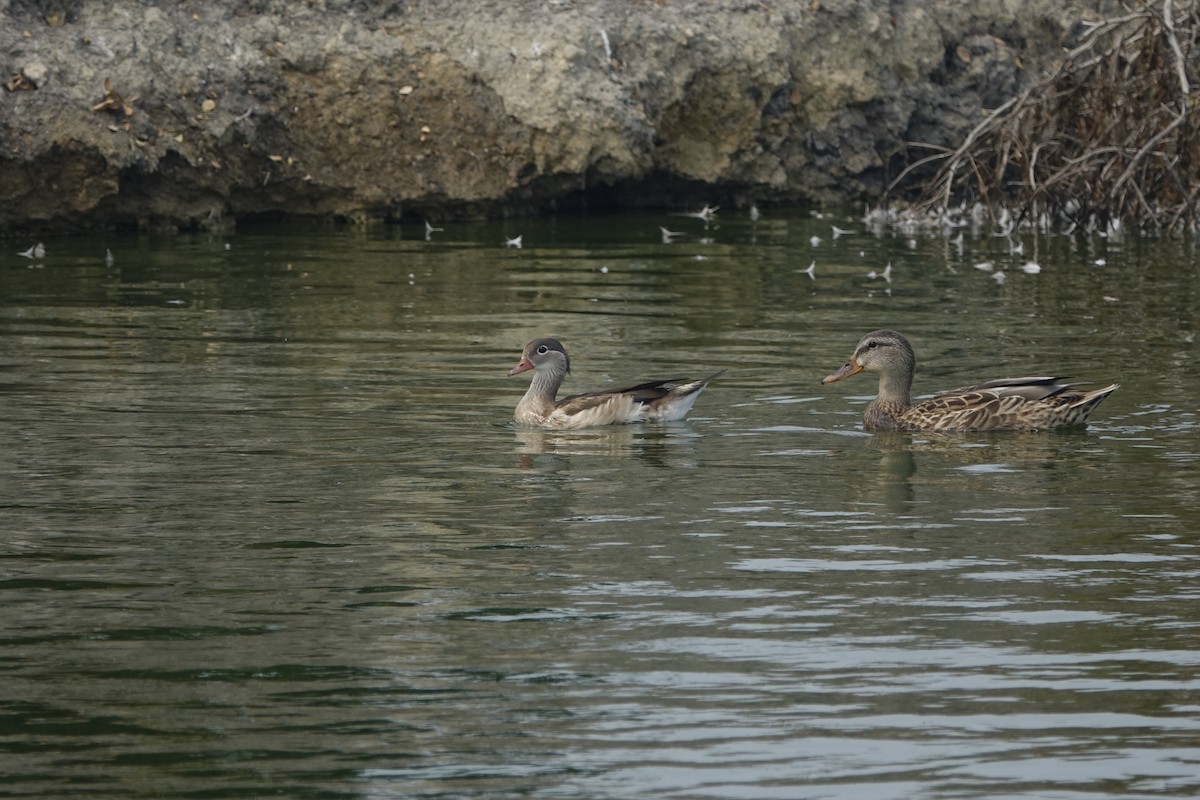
point(1109, 136)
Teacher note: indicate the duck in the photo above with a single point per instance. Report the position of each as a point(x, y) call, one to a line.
point(1017, 404)
point(654, 401)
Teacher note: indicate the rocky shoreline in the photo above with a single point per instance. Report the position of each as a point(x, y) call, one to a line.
point(170, 115)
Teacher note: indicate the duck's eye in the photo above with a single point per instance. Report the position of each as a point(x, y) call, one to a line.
point(543, 350)
point(872, 344)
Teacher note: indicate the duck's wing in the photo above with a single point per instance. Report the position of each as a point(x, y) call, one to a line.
point(1029, 388)
point(596, 408)
point(1007, 404)
point(653, 401)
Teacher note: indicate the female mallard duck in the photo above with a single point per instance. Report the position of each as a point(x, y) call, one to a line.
point(1023, 404)
point(656, 401)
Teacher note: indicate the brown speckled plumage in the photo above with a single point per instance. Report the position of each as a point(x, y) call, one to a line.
point(1005, 404)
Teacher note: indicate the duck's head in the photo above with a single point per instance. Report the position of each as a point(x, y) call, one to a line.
point(543, 355)
point(883, 352)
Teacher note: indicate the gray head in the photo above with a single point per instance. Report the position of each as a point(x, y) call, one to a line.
point(543, 354)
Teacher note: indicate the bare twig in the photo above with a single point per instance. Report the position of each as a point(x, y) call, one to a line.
point(1108, 134)
point(1168, 18)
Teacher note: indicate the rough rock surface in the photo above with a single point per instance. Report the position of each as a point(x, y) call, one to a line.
point(230, 109)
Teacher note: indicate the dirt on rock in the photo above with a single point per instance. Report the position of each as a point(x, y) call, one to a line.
point(189, 114)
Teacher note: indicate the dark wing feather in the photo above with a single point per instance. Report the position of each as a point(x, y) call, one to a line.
point(652, 390)
point(659, 395)
point(1028, 388)
point(643, 393)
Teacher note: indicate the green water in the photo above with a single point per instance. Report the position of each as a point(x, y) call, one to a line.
point(267, 528)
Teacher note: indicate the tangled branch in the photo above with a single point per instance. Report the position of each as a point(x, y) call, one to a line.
point(1108, 137)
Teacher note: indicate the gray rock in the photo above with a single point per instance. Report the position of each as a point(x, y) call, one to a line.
point(468, 108)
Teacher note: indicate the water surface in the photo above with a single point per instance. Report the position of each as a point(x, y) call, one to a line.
point(267, 527)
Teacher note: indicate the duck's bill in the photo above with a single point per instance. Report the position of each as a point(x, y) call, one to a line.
point(851, 367)
point(524, 366)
